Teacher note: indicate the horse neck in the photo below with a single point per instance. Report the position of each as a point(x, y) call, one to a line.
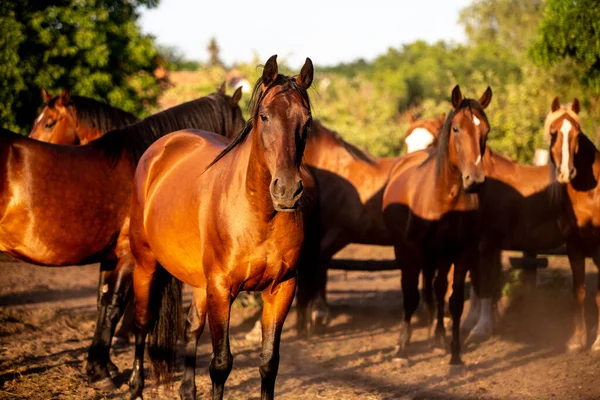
point(448, 178)
point(87, 133)
point(257, 175)
point(587, 164)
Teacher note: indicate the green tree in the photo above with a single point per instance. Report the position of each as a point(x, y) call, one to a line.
point(571, 30)
point(90, 47)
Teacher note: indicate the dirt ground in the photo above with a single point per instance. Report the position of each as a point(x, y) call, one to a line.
point(47, 319)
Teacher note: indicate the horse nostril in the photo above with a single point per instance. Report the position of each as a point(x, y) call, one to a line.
point(299, 189)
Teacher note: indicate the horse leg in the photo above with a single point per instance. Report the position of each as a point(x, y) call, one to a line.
point(114, 292)
point(194, 327)
point(577, 261)
point(410, 292)
point(219, 307)
point(468, 257)
point(277, 301)
point(428, 278)
point(312, 279)
point(441, 286)
point(483, 283)
point(596, 345)
point(121, 337)
point(145, 268)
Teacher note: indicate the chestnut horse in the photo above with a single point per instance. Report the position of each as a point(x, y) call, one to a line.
point(431, 209)
point(83, 215)
point(422, 133)
point(231, 224)
point(67, 119)
point(575, 164)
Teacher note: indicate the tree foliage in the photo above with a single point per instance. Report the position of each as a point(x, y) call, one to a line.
point(571, 30)
point(90, 47)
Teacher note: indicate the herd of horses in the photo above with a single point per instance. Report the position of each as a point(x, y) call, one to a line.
point(198, 195)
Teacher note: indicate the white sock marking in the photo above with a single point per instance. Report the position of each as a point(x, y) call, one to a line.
point(419, 139)
point(564, 165)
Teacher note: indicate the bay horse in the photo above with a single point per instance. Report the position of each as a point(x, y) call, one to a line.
point(422, 133)
point(83, 215)
point(67, 119)
point(575, 165)
point(223, 216)
point(521, 209)
point(431, 209)
point(77, 120)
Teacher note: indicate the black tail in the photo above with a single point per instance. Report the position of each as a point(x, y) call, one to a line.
point(165, 303)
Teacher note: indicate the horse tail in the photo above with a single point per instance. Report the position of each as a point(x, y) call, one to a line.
point(166, 304)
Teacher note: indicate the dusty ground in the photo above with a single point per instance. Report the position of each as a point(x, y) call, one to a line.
point(47, 319)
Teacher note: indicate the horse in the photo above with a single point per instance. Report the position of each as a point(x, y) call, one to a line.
point(520, 208)
point(422, 133)
point(77, 120)
point(231, 224)
point(83, 215)
point(67, 119)
point(575, 165)
point(431, 208)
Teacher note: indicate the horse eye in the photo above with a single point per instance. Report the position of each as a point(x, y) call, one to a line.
point(455, 129)
point(553, 133)
point(263, 117)
point(49, 124)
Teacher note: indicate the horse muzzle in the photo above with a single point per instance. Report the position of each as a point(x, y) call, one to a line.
point(473, 181)
point(285, 193)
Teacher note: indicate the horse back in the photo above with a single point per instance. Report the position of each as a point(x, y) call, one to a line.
point(166, 203)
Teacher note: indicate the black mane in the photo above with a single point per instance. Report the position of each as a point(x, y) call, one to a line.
point(282, 81)
point(98, 114)
point(212, 113)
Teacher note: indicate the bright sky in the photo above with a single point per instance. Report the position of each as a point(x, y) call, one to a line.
point(327, 31)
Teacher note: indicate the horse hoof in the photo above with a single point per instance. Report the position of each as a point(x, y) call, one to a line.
point(105, 385)
point(457, 369)
point(120, 342)
point(596, 346)
point(576, 344)
point(112, 368)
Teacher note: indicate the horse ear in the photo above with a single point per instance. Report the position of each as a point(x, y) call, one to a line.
point(237, 95)
point(222, 88)
point(46, 96)
point(575, 106)
point(304, 80)
point(485, 98)
point(270, 71)
point(456, 97)
point(555, 104)
point(64, 97)
point(409, 117)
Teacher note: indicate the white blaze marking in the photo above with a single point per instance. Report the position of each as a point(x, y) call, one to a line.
point(476, 121)
point(564, 165)
point(39, 118)
point(478, 160)
point(419, 139)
